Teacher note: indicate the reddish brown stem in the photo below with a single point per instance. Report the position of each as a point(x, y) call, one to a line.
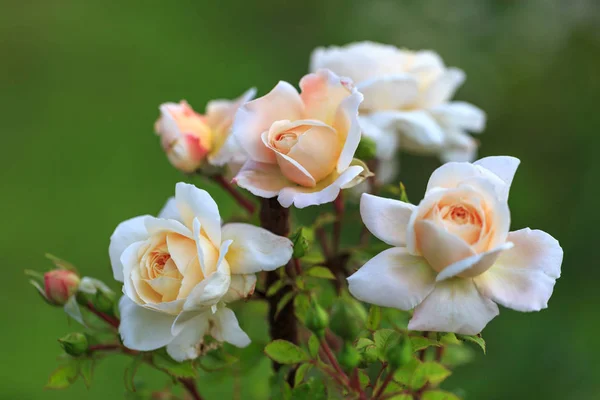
point(190, 385)
point(297, 266)
point(333, 361)
point(112, 321)
point(322, 237)
point(384, 385)
point(239, 197)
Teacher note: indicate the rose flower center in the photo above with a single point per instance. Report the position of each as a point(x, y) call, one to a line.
point(285, 141)
point(462, 220)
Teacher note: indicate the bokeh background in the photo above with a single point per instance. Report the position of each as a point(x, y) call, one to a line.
point(80, 82)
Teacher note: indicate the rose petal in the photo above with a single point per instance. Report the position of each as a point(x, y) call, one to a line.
point(442, 88)
point(348, 128)
point(317, 150)
point(291, 168)
point(419, 132)
point(452, 174)
point(261, 179)
point(386, 139)
point(185, 345)
point(142, 329)
point(387, 219)
point(158, 225)
point(504, 167)
point(241, 287)
point(475, 265)
point(170, 210)
point(459, 147)
point(255, 117)
point(127, 232)
point(461, 115)
point(455, 306)
point(197, 203)
point(523, 278)
point(388, 92)
point(255, 249)
point(440, 247)
point(183, 251)
point(322, 93)
point(227, 329)
point(393, 278)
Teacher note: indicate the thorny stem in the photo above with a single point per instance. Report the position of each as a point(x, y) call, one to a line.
point(275, 218)
point(239, 197)
point(188, 383)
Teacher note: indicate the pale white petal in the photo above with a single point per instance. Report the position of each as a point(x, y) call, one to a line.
point(455, 306)
point(420, 133)
point(388, 92)
point(452, 174)
point(241, 287)
point(130, 261)
point(255, 249)
point(442, 88)
point(347, 125)
point(227, 329)
point(170, 211)
point(440, 247)
point(185, 346)
point(387, 219)
point(475, 265)
point(197, 203)
point(183, 251)
point(261, 179)
point(504, 167)
point(385, 138)
point(126, 233)
point(393, 278)
point(142, 329)
point(159, 225)
point(523, 278)
point(257, 116)
point(459, 114)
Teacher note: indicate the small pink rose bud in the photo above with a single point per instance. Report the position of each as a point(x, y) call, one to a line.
point(60, 285)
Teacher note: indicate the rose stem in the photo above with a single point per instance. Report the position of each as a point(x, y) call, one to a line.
point(243, 201)
point(114, 322)
point(187, 383)
point(275, 218)
point(385, 383)
point(333, 361)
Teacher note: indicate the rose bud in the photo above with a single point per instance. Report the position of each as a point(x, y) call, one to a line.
point(60, 285)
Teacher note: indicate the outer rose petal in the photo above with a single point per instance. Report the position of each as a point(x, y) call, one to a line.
point(386, 140)
point(389, 92)
point(241, 287)
point(504, 167)
point(440, 247)
point(261, 179)
point(255, 249)
point(142, 329)
point(127, 232)
point(170, 210)
point(220, 112)
point(475, 265)
point(419, 132)
point(324, 192)
point(523, 278)
point(227, 329)
point(185, 345)
point(455, 306)
point(255, 117)
point(459, 147)
point(387, 219)
point(197, 203)
point(348, 128)
point(322, 93)
point(393, 278)
point(442, 88)
point(460, 114)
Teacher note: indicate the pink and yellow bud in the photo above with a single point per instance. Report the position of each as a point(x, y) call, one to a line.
point(60, 285)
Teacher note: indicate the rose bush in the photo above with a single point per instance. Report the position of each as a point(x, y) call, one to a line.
point(190, 139)
point(454, 257)
point(407, 99)
point(301, 146)
point(181, 269)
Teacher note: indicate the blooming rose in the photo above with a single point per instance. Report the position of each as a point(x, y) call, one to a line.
point(407, 99)
point(301, 146)
point(190, 138)
point(454, 257)
point(178, 271)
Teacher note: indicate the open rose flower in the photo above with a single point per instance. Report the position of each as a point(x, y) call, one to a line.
point(407, 99)
point(180, 269)
point(190, 139)
point(455, 257)
point(301, 146)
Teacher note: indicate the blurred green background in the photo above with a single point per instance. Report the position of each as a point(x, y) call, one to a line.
point(80, 82)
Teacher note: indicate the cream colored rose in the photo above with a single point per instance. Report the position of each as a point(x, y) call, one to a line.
point(301, 146)
point(190, 139)
point(455, 257)
point(407, 99)
point(180, 269)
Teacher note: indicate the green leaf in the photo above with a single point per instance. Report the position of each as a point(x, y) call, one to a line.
point(63, 376)
point(275, 287)
point(301, 306)
point(180, 370)
point(363, 378)
point(404, 374)
point(420, 342)
point(439, 395)
point(301, 243)
point(131, 371)
point(478, 340)
point(217, 360)
point(301, 373)
point(401, 397)
point(456, 355)
point(374, 318)
point(313, 346)
point(367, 349)
point(384, 339)
point(403, 195)
point(284, 302)
point(86, 370)
point(449, 338)
point(429, 371)
point(324, 219)
point(320, 272)
point(285, 352)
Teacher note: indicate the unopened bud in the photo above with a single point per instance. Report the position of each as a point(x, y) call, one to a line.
point(74, 344)
point(300, 242)
point(317, 319)
point(349, 357)
point(344, 320)
point(60, 285)
point(95, 291)
point(399, 354)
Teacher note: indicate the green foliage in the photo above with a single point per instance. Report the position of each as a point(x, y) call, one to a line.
point(399, 354)
point(477, 339)
point(314, 389)
point(384, 340)
point(184, 369)
point(368, 350)
point(301, 372)
point(64, 376)
point(313, 346)
point(349, 357)
point(75, 344)
point(301, 243)
point(130, 372)
point(366, 149)
point(421, 342)
point(429, 371)
point(317, 319)
point(345, 320)
point(439, 395)
point(285, 352)
point(275, 287)
point(320, 272)
point(374, 318)
point(284, 302)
